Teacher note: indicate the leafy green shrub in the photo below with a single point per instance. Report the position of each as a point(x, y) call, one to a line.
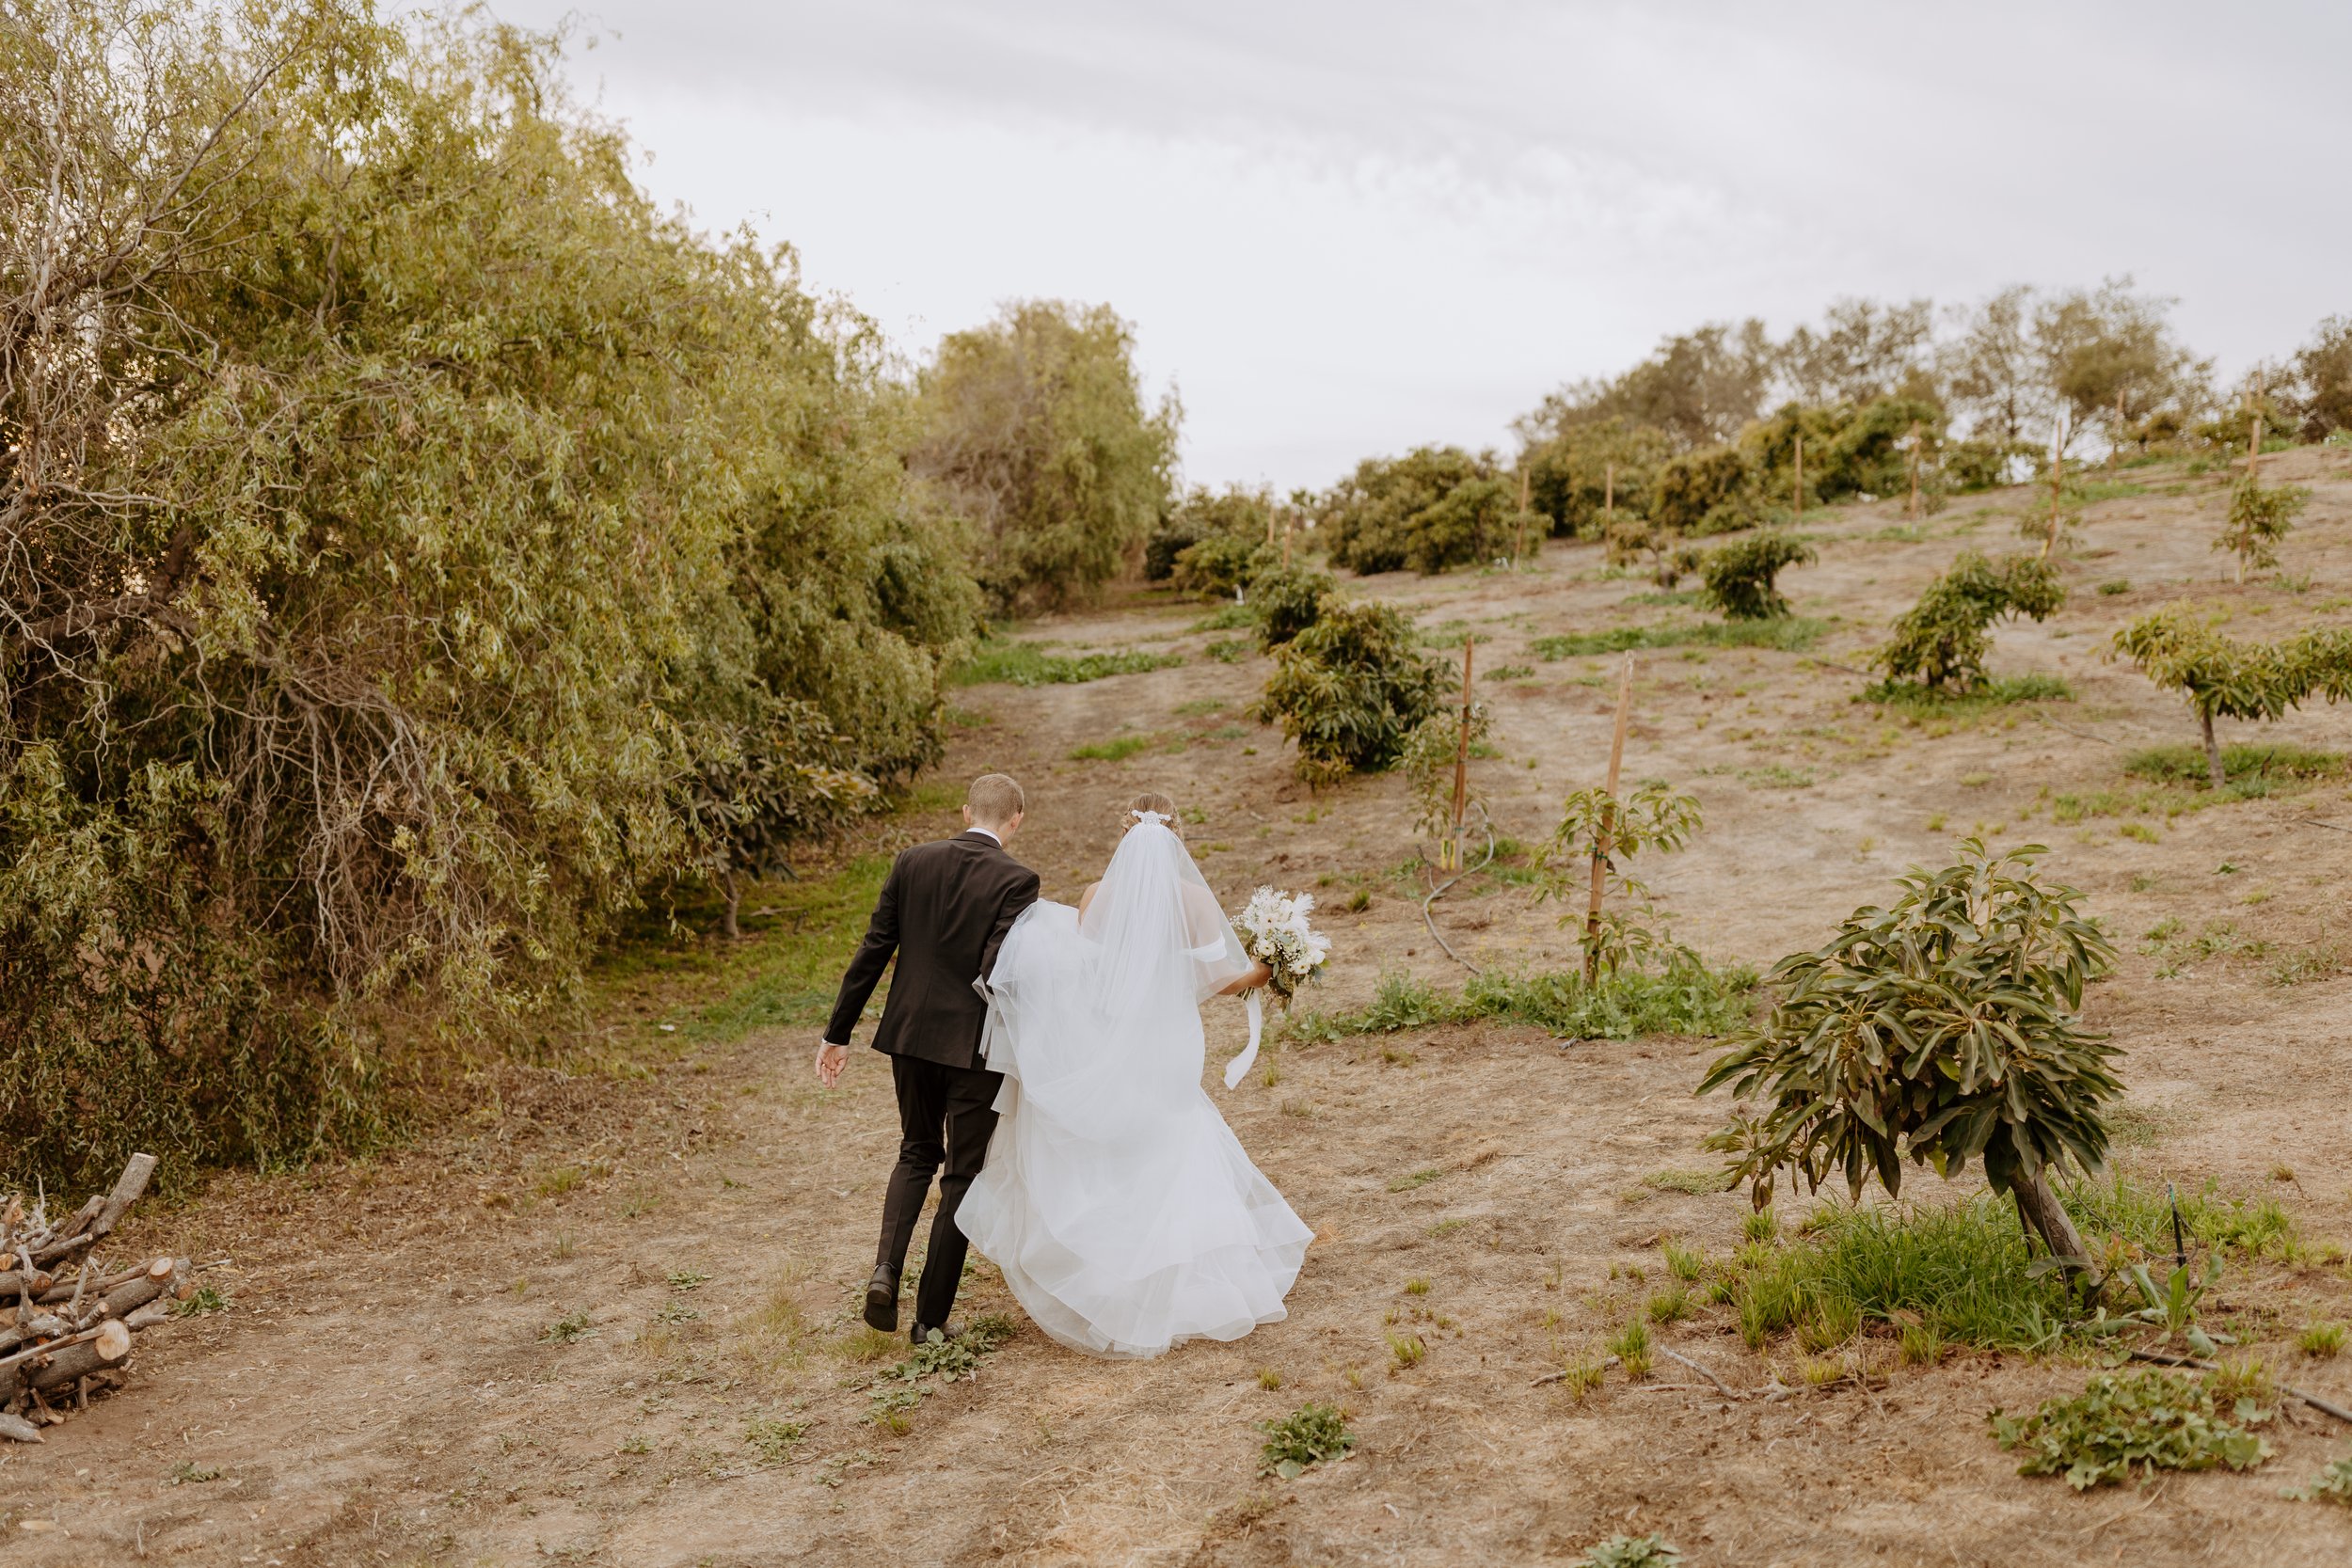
point(1740, 575)
point(1350, 688)
point(2259, 516)
point(1237, 513)
point(1941, 641)
point(1221, 566)
point(2226, 678)
point(2333, 1484)
point(1943, 1029)
point(1709, 491)
point(1597, 828)
point(1428, 761)
point(1433, 508)
point(1312, 1435)
point(1589, 471)
point(1285, 601)
point(2154, 1419)
point(1979, 465)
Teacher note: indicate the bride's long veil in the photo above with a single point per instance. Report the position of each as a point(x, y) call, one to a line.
point(1112, 1039)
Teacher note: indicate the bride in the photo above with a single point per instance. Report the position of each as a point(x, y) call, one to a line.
point(1118, 1204)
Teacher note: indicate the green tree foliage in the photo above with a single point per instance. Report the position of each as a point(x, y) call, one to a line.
point(414, 545)
point(1433, 508)
point(2228, 679)
point(2109, 357)
point(1699, 388)
point(1288, 600)
point(1740, 576)
point(1708, 491)
point(1598, 828)
point(1350, 687)
point(2259, 516)
point(1570, 474)
point(2322, 389)
point(1238, 513)
point(1862, 353)
point(1035, 430)
point(1941, 641)
point(1944, 1029)
point(1428, 762)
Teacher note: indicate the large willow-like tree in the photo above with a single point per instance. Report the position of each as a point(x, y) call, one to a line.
point(412, 545)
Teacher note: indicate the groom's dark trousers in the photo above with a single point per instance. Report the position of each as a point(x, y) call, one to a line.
point(944, 912)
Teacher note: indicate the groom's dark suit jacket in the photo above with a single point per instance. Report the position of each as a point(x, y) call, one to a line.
point(944, 911)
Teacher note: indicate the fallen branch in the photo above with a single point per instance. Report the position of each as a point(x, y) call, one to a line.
point(2315, 822)
point(2165, 1358)
point(2081, 734)
point(1730, 1392)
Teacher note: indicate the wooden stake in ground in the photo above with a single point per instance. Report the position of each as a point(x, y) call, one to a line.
point(1912, 509)
point(2057, 473)
point(1601, 840)
point(1450, 852)
point(1608, 495)
point(2116, 444)
point(2253, 448)
point(1519, 551)
point(1797, 508)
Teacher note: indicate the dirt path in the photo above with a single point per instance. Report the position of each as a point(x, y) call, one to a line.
point(395, 1380)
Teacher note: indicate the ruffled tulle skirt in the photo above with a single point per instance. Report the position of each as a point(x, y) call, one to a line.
point(1119, 1206)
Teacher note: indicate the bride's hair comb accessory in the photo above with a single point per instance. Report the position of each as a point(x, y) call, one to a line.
point(1160, 818)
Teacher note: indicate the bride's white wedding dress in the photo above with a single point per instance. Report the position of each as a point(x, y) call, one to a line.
point(1118, 1205)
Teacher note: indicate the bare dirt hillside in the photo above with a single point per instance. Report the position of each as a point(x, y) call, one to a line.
point(608, 1318)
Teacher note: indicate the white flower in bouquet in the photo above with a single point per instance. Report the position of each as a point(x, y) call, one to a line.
point(1275, 931)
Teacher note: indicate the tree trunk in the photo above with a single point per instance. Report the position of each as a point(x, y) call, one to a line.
point(2213, 751)
point(727, 927)
point(2046, 1217)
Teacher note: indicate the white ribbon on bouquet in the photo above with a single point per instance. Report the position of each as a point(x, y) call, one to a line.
point(1238, 1069)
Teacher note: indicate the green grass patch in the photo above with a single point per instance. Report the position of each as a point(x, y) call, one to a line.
point(1229, 649)
point(1924, 703)
point(1117, 749)
point(2185, 765)
point(788, 965)
point(1786, 633)
point(1231, 617)
point(1687, 998)
point(1002, 661)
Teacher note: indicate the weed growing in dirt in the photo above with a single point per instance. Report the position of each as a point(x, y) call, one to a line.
point(1001, 661)
point(683, 1281)
point(775, 1439)
point(1789, 634)
point(1685, 1264)
point(2332, 1485)
point(2321, 1341)
point(1117, 749)
point(1268, 1379)
point(2142, 1214)
point(1630, 1345)
point(1633, 1551)
point(188, 1473)
point(1696, 1183)
point(569, 1329)
point(1409, 1349)
point(1926, 702)
point(1411, 1180)
point(2156, 1420)
point(206, 1300)
point(1671, 1304)
point(1311, 1434)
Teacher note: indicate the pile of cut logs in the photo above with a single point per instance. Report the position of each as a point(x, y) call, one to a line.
point(65, 1323)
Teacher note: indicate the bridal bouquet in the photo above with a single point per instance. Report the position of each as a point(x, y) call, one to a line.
point(1274, 932)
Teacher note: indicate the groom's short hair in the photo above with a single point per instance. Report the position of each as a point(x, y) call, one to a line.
point(995, 799)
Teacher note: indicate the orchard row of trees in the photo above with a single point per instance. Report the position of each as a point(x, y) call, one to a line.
point(416, 548)
point(1724, 428)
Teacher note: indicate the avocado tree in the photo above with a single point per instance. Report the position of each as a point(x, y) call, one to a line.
point(1944, 1029)
point(1941, 641)
point(1738, 577)
point(1288, 600)
point(2259, 515)
point(2229, 679)
point(1597, 830)
point(1350, 688)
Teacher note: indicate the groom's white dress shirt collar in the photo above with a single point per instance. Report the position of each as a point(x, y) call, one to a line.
point(976, 827)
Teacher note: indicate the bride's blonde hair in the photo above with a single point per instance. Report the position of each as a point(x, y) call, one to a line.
point(1152, 800)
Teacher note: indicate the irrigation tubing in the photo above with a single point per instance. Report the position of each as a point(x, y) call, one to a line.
point(1487, 822)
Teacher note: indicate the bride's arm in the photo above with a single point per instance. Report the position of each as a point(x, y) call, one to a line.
point(1258, 975)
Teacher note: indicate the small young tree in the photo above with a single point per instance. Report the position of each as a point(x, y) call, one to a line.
point(1944, 1029)
point(2225, 678)
point(2260, 516)
point(1350, 688)
point(1941, 641)
point(1597, 832)
point(1740, 575)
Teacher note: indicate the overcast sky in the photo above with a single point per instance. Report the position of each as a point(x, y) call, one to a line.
point(1346, 229)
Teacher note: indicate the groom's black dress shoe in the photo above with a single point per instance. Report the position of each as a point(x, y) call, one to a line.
point(881, 1299)
point(933, 1334)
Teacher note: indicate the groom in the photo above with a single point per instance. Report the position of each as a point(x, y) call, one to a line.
point(944, 911)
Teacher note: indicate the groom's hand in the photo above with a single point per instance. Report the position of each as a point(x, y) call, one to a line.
point(831, 1059)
